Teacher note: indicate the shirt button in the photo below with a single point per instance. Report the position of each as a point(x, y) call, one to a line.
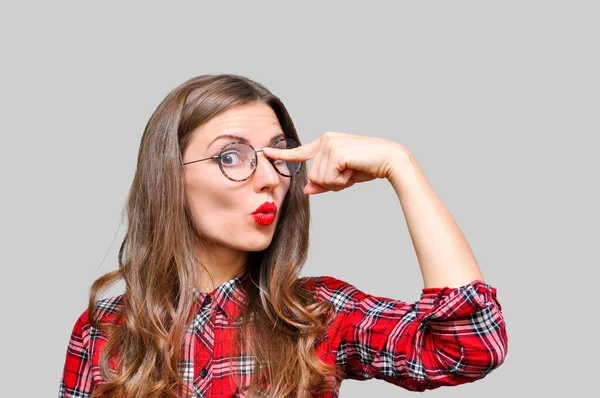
point(203, 373)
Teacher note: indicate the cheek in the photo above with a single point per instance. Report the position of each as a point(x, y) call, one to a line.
point(211, 203)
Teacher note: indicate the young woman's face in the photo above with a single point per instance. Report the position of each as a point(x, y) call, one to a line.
point(221, 208)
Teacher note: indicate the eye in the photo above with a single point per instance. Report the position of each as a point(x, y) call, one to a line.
point(230, 158)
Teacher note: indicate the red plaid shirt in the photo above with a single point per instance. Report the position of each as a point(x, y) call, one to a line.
point(450, 336)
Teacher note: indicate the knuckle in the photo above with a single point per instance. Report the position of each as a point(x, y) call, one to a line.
point(328, 136)
point(336, 152)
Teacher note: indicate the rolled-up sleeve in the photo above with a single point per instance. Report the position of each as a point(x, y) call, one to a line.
point(450, 336)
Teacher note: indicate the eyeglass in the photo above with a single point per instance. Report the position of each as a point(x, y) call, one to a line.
point(238, 160)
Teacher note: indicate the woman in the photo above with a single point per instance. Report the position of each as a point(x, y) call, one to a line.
point(218, 221)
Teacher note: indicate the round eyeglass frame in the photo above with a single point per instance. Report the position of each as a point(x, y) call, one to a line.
point(220, 155)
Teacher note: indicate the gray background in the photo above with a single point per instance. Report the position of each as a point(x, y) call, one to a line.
point(498, 101)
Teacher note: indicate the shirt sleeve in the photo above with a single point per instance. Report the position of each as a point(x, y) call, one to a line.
point(450, 336)
point(77, 373)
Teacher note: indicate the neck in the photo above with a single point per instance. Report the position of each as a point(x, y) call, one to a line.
point(222, 264)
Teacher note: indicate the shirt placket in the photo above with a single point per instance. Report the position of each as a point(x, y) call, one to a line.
point(204, 336)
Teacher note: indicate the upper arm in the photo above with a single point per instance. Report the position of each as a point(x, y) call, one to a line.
point(77, 373)
point(448, 337)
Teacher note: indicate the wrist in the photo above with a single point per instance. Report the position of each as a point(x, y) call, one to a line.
point(402, 164)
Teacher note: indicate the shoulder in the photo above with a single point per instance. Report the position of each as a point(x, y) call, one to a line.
point(105, 311)
point(338, 292)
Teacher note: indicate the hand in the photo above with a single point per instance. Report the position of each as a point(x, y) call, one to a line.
point(340, 160)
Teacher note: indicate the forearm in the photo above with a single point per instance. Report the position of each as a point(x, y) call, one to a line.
point(443, 252)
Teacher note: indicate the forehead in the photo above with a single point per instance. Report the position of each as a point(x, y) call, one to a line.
point(255, 122)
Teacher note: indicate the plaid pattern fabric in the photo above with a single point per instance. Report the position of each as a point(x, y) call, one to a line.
point(450, 336)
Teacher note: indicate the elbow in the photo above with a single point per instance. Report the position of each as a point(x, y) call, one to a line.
point(476, 365)
point(471, 360)
point(464, 342)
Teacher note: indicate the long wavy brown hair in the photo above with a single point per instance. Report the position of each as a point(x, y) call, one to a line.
point(157, 261)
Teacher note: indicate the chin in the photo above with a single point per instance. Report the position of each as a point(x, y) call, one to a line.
point(259, 244)
point(259, 247)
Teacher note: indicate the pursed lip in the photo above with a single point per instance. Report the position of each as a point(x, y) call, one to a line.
point(267, 207)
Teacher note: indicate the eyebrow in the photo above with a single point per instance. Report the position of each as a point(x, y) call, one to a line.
point(237, 137)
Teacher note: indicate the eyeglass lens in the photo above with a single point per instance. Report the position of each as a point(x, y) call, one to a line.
point(238, 161)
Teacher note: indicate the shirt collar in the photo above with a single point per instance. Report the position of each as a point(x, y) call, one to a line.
point(229, 296)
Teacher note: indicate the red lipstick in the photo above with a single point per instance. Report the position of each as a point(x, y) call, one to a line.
point(265, 213)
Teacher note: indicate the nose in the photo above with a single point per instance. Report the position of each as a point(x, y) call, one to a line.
point(265, 176)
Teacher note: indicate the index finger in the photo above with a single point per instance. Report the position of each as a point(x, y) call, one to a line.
point(299, 154)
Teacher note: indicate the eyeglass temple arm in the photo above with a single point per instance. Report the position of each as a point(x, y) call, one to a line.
point(194, 161)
